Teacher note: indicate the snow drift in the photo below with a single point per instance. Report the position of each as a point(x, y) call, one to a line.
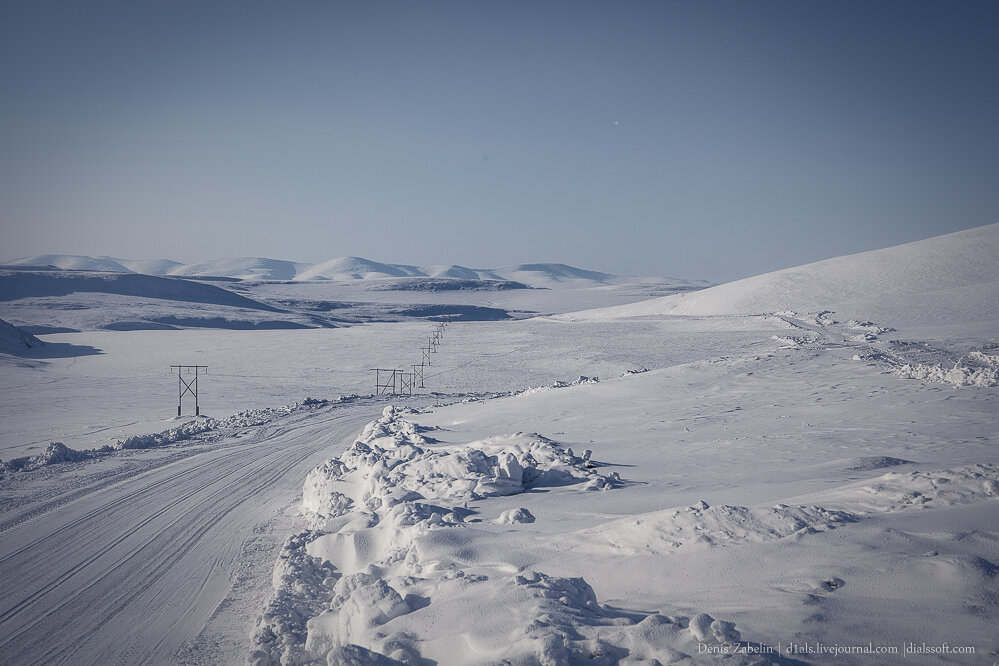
point(389, 571)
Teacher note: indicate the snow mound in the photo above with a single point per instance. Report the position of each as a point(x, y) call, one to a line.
point(869, 463)
point(702, 525)
point(15, 341)
point(393, 463)
point(303, 585)
point(392, 551)
point(56, 452)
point(514, 516)
point(897, 491)
point(977, 369)
point(947, 278)
point(531, 618)
point(556, 385)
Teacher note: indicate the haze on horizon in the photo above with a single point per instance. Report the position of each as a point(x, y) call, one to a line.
point(698, 140)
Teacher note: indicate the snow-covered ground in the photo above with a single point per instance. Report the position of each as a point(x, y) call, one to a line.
point(801, 469)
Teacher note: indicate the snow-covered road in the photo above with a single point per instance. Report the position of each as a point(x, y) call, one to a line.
point(163, 560)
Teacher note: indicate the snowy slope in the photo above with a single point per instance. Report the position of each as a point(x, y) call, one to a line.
point(350, 268)
point(15, 341)
point(951, 277)
point(17, 284)
point(244, 268)
point(72, 262)
point(149, 266)
point(546, 274)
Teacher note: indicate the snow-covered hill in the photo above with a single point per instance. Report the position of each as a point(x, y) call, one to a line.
point(947, 278)
point(543, 275)
point(72, 262)
point(17, 284)
point(14, 341)
point(352, 268)
point(244, 268)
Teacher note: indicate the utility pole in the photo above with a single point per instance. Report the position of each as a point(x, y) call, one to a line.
point(405, 382)
point(184, 387)
point(384, 385)
point(391, 381)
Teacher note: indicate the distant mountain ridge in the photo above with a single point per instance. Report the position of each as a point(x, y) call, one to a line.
point(341, 268)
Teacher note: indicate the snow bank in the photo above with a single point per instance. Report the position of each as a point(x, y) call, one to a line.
point(393, 548)
point(556, 385)
point(977, 369)
point(57, 452)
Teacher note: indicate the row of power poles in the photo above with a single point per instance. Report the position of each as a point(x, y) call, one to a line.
point(393, 381)
point(388, 381)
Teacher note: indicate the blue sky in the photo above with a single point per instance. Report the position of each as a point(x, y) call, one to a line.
point(708, 140)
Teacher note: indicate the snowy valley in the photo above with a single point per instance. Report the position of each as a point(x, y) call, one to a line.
point(799, 467)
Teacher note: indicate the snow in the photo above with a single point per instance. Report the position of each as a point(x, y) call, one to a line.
point(71, 263)
point(14, 341)
point(540, 275)
point(762, 474)
point(948, 277)
point(245, 268)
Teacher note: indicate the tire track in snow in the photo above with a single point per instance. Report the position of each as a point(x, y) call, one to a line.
point(115, 478)
point(134, 576)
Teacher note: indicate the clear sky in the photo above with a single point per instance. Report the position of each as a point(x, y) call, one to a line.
point(702, 139)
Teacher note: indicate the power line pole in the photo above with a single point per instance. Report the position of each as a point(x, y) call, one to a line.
point(405, 382)
point(184, 387)
point(386, 385)
point(391, 381)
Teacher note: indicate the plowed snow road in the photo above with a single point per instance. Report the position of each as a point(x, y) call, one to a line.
point(169, 562)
